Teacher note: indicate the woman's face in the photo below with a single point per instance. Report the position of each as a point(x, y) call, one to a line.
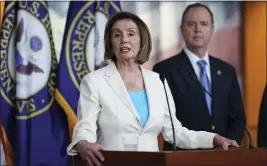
point(125, 39)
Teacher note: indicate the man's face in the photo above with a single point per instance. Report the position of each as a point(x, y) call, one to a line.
point(197, 28)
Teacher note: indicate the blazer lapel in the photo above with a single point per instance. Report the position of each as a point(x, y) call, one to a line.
point(114, 80)
point(150, 91)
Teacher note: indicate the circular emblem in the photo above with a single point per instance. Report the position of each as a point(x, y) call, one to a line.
point(29, 57)
point(31, 54)
point(85, 39)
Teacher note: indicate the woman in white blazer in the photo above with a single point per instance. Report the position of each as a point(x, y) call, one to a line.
point(123, 106)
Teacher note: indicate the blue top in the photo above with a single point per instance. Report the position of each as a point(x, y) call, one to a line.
point(140, 102)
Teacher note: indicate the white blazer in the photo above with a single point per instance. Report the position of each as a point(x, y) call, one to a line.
point(107, 116)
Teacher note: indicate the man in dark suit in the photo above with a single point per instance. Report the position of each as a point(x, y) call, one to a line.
point(214, 110)
point(262, 127)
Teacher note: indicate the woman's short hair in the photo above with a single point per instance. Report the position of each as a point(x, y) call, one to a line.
point(145, 45)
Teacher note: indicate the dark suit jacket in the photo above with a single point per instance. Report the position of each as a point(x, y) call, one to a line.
point(262, 127)
point(191, 107)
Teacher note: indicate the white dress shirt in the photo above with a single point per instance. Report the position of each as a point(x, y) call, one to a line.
point(194, 59)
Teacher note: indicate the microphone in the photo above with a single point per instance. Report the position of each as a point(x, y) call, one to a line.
point(161, 76)
point(192, 77)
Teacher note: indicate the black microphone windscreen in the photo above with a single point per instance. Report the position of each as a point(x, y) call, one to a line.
point(161, 76)
point(191, 76)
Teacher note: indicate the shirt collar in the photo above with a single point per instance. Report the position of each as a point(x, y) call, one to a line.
point(194, 58)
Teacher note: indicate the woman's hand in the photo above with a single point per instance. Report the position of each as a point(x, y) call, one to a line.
point(224, 142)
point(90, 152)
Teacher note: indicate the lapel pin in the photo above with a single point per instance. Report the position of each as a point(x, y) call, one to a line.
point(219, 72)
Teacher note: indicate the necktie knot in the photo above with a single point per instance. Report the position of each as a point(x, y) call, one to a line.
point(202, 64)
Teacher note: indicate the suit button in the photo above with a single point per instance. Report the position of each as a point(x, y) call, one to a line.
point(140, 132)
point(212, 127)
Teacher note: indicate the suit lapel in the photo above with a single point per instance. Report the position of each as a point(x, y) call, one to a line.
point(190, 77)
point(186, 69)
point(216, 88)
point(114, 80)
